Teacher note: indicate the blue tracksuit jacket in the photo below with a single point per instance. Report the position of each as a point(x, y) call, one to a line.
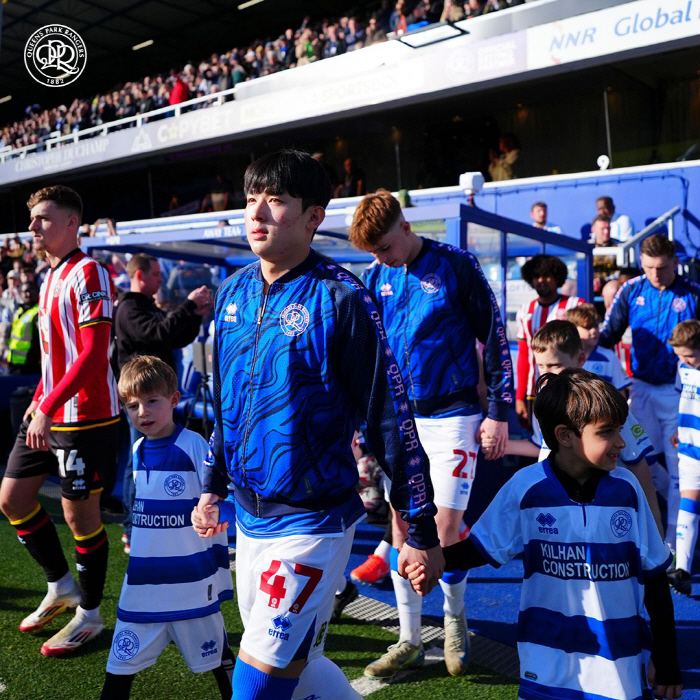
point(434, 310)
point(294, 371)
point(652, 315)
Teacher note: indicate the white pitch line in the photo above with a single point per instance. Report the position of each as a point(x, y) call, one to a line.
point(366, 686)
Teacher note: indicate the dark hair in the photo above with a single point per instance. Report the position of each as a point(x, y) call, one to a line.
point(63, 196)
point(539, 204)
point(576, 398)
point(560, 335)
point(548, 265)
point(686, 335)
point(140, 261)
point(290, 171)
point(658, 246)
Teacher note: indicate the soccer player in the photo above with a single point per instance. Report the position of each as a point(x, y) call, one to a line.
point(652, 306)
point(685, 341)
point(435, 304)
point(600, 361)
point(70, 428)
point(545, 274)
point(175, 581)
point(300, 355)
point(593, 556)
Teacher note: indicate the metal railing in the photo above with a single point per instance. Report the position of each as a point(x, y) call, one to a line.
point(626, 253)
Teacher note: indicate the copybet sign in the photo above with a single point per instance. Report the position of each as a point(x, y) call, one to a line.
point(629, 26)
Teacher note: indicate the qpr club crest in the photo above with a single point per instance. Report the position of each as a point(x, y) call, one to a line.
point(431, 283)
point(174, 485)
point(294, 319)
point(620, 523)
point(126, 645)
point(679, 305)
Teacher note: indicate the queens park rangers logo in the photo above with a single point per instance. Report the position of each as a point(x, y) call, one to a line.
point(294, 319)
point(55, 55)
point(620, 523)
point(174, 485)
point(431, 283)
point(126, 645)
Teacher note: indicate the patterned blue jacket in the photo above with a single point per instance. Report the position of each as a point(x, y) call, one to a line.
point(434, 310)
point(294, 372)
point(652, 315)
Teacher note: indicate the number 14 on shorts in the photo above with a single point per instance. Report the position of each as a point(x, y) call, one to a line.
point(273, 584)
point(69, 462)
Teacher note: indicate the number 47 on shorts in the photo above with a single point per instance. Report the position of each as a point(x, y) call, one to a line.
point(275, 586)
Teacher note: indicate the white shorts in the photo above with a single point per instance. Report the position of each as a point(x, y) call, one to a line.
point(137, 645)
point(286, 590)
point(451, 446)
point(688, 473)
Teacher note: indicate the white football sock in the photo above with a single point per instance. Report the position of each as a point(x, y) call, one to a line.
point(64, 585)
point(323, 680)
point(383, 549)
point(454, 597)
point(686, 538)
point(410, 605)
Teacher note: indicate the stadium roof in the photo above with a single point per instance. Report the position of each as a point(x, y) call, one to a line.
point(181, 30)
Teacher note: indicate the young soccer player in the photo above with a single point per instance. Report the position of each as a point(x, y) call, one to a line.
point(600, 361)
point(176, 580)
point(422, 288)
point(300, 354)
point(557, 346)
point(686, 344)
point(592, 555)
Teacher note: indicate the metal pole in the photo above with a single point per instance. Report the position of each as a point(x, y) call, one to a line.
point(397, 151)
point(606, 109)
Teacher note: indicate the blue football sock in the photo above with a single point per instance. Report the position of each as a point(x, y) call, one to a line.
point(251, 684)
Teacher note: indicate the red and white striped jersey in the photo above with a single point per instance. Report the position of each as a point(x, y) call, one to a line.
point(77, 293)
point(530, 318)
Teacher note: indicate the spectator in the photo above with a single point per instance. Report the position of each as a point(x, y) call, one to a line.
point(11, 294)
point(353, 184)
point(179, 91)
point(374, 34)
point(333, 45)
point(24, 348)
point(538, 214)
point(501, 166)
point(399, 20)
point(621, 226)
point(452, 12)
point(600, 233)
point(330, 170)
point(473, 8)
point(354, 35)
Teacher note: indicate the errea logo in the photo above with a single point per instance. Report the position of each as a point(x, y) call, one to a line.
point(231, 313)
point(546, 521)
point(385, 290)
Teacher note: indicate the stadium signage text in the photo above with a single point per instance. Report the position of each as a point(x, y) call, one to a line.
point(640, 23)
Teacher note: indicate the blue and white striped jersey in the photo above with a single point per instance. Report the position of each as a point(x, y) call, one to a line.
point(173, 574)
point(606, 364)
point(581, 630)
point(688, 383)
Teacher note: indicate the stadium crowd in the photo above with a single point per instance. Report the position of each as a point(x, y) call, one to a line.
point(311, 41)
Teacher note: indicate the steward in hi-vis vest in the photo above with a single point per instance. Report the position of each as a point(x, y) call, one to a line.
point(24, 348)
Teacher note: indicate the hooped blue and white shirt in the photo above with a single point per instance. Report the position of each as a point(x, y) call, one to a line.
point(173, 574)
point(581, 629)
point(606, 364)
point(688, 383)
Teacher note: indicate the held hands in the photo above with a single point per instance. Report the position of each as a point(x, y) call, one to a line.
point(429, 563)
point(38, 431)
point(205, 516)
point(493, 436)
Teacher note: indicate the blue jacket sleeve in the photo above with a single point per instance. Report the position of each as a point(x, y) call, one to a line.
point(616, 320)
point(370, 376)
point(215, 472)
point(484, 317)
